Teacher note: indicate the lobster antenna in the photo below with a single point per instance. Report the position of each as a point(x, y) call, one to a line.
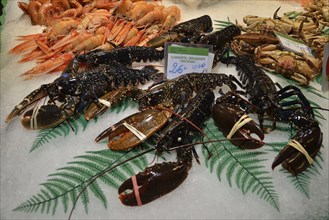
point(110, 168)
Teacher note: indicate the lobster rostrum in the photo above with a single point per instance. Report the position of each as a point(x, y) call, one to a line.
point(75, 89)
point(160, 179)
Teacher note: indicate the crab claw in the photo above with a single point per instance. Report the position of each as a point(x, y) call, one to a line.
point(229, 116)
point(44, 117)
point(295, 161)
point(152, 183)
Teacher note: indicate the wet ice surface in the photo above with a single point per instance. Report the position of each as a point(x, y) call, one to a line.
point(201, 196)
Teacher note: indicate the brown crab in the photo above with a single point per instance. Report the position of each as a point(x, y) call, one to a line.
point(301, 68)
point(245, 44)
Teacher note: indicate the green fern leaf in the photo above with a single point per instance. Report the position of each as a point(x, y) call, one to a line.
point(222, 24)
point(83, 177)
point(242, 166)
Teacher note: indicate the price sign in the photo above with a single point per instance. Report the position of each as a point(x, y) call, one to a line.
point(293, 45)
point(182, 59)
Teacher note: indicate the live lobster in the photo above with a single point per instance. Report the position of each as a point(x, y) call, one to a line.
point(77, 88)
point(288, 105)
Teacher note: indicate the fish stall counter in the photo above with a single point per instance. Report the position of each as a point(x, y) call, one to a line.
point(62, 173)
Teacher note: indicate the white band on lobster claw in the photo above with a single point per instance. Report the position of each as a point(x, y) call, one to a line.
point(295, 144)
point(242, 121)
point(105, 102)
point(34, 120)
point(136, 132)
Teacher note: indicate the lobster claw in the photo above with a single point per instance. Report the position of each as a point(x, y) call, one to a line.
point(132, 130)
point(152, 183)
point(34, 96)
point(44, 117)
point(295, 161)
point(227, 116)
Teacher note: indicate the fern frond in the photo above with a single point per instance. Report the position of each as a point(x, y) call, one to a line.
point(222, 24)
point(83, 177)
point(62, 130)
point(241, 166)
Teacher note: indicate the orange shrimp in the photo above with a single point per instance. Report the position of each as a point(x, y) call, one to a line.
point(61, 28)
point(122, 34)
point(65, 40)
point(90, 43)
point(61, 5)
point(94, 20)
point(33, 10)
point(28, 44)
point(172, 15)
point(154, 16)
point(76, 41)
point(150, 33)
point(73, 12)
point(139, 10)
point(133, 37)
point(24, 7)
point(118, 26)
point(123, 7)
point(48, 66)
point(34, 54)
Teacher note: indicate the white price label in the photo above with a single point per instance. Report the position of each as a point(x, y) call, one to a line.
point(293, 45)
point(184, 59)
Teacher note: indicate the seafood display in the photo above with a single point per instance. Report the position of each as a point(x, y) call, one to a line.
point(74, 27)
point(74, 90)
point(260, 41)
point(108, 53)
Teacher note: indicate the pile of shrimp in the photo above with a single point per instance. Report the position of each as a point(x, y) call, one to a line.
point(85, 26)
